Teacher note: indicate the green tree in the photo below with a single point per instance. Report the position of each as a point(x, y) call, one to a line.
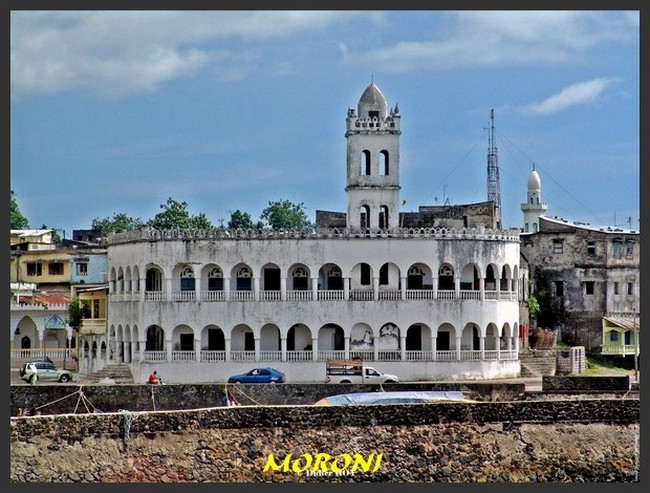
point(284, 214)
point(119, 223)
point(176, 215)
point(241, 220)
point(75, 313)
point(56, 237)
point(17, 219)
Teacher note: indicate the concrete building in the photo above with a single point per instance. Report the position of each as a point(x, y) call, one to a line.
point(584, 273)
point(430, 295)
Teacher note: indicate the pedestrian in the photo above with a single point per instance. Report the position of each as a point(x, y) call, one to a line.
point(153, 379)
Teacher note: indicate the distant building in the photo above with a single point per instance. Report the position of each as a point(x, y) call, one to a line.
point(590, 273)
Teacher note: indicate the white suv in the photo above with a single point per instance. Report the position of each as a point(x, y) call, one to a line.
point(42, 370)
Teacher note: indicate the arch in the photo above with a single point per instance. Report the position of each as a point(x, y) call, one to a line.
point(243, 276)
point(154, 338)
point(330, 277)
point(364, 216)
point(384, 168)
point(120, 280)
point(26, 333)
point(361, 276)
point(212, 278)
point(365, 163)
point(270, 276)
point(128, 280)
point(331, 337)
point(213, 338)
point(154, 279)
point(270, 338)
point(470, 337)
point(389, 276)
point(419, 276)
point(506, 278)
point(491, 277)
point(242, 338)
point(469, 279)
point(112, 281)
point(446, 277)
point(183, 275)
point(389, 337)
point(299, 338)
point(299, 278)
point(136, 279)
point(382, 220)
point(492, 337)
point(182, 338)
point(446, 337)
point(418, 337)
point(361, 337)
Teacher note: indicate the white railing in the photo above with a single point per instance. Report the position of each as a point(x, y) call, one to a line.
point(330, 295)
point(366, 355)
point(183, 295)
point(300, 355)
point(299, 295)
point(361, 295)
point(620, 350)
point(242, 355)
point(211, 356)
point(507, 296)
point(392, 355)
point(390, 295)
point(54, 354)
point(491, 355)
point(446, 294)
point(419, 355)
point(270, 295)
point(470, 355)
point(466, 294)
point(155, 296)
point(183, 356)
point(212, 296)
point(447, 355)
point(155, 356)
point(242, 296)
point(419, 294)
point(270, 355)
point(330, 354)
point(491, 295)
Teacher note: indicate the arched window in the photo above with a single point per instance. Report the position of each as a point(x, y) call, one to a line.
point(244, 279)
point(215, 280)
point(364, 216)
point(383, 217)
point(365, 163)
point(383, 163)
point(187, 279)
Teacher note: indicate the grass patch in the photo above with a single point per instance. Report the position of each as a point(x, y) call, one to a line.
point(599, 366)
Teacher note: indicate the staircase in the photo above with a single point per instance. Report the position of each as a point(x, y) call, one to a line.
point(119, 373)
point(537, 362)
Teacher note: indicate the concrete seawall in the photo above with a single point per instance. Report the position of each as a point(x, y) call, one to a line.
point(588, 440)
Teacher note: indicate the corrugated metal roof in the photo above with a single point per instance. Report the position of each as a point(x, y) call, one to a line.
point(623, 322)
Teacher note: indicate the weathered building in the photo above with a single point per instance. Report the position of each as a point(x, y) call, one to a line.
point(428, 295)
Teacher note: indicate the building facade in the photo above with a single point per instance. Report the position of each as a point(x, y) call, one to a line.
point(424, 300)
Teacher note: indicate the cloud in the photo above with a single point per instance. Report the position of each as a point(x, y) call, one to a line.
point(118, 52)
point(575, 94)
point(493, 38)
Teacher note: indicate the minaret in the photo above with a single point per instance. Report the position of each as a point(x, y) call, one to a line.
point(372, 184)
point(493, 180)
point(533, 208)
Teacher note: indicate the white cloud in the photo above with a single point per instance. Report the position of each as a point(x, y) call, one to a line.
point(575, 94)
point(491, 38)
point(118, 52)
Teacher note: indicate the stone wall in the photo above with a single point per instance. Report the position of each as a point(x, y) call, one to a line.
point(586, 383)
point(517, 441)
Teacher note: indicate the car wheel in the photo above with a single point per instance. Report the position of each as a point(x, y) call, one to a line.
point(33, 378)
point(345, 381)
point(64, 378)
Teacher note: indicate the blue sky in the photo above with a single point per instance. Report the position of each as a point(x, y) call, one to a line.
point(115, 111)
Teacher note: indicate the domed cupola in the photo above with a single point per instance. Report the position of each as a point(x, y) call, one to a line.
point(534, 182)
point(372, 103)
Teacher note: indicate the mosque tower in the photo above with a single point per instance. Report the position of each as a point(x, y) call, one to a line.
point(372, 185)
point(533, 208)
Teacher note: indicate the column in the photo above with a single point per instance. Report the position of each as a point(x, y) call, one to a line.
point(256, 291)
point(257, 349)
point(434, 346)
point(403, 288)
point(402, 345)
point(197, 350)
point(458, 339)
point(168, 350)
point(143, 288)
point(457, 288)
point(314, 288)
point(226, 289)
point(481, 283)
point(346, 347)
point(375, 288)
point(168, 290)
point(197, 289)
point(283, 347)
point(435, 288)
point(481, 345)
point(314, 348)
point(283, 289)
point(346, 288)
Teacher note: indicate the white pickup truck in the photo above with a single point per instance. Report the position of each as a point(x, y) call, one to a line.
point(355, 371)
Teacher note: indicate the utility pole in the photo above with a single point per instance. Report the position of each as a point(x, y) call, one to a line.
point(493, 181)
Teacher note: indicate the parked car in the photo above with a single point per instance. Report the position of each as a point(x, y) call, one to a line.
point(44, 371)
point(35, 359)
point(259, 375)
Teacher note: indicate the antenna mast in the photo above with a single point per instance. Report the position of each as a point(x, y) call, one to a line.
point(493, 182)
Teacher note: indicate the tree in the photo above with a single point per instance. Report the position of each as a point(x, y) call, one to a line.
point(75, 314)
point(176, 216)
point(56, 237)
point(17, 219)
point(241, 220)
point(286, 215)
point(119, 223)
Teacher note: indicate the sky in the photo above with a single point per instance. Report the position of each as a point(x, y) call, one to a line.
point(117, 111)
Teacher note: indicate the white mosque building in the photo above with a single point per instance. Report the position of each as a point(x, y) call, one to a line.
point(427, 296)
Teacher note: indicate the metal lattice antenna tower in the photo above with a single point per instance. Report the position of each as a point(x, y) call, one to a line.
point(493, 181)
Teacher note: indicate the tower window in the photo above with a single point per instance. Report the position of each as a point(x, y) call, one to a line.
point(373, 114)
point(558, 246)
point(383, 163)
point(591, 248)
point(559, 288)
point(589, 287)
point(383, 217)
point(365, 163)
